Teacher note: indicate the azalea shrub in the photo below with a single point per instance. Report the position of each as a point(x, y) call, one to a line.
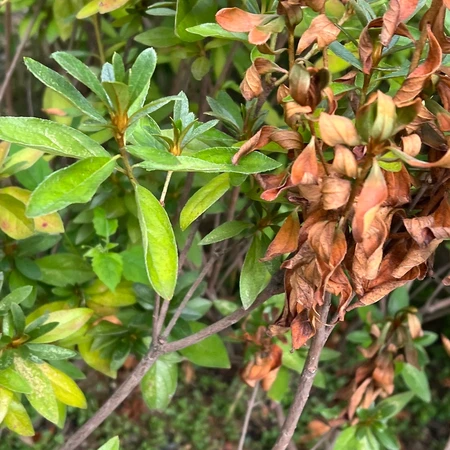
point(253, 186)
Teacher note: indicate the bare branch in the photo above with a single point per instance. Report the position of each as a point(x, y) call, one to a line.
point(306, 380)
point(248, 414)
point(156, 350)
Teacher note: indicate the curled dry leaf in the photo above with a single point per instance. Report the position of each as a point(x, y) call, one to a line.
point(411, 144)
point(302, 329)
point(438, 27)
point(337, 130)
point(259, 140)
point(251, 85)
point(344, 162)
point(415, 81)
point(305, 169)
point(237, 20)
point(398, 11)
point(373, 194)
point(321, 30)
point(286, 240)
point(398, 186)
point(335, 192)
point(288, 139)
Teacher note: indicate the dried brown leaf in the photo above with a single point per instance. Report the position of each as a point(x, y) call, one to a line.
point(336, 130)
point(286, 240)
point(305, 169)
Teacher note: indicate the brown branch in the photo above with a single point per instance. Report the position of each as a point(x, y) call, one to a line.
point(19, 51)
point(306, 379)
point(281, 418)
point(8, 35)
point(248, 414)
point(156, 350)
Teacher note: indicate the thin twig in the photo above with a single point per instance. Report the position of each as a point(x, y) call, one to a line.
point(306, 379)
point(19, 51)
point(155, 318)
point(166, 187)
point(187, 245)
point(98, 38)
point(226, 68)
point(8, 34)
point(156, 350)
point(188, 296)
point(281, 419)
point(248, 414)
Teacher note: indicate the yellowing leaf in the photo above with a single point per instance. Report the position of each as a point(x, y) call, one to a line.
point(13, 221)
point(106, 6)
point(66, 390)
point(18, 420)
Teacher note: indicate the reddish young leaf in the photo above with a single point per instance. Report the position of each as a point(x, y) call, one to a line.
point(321, 30)
point(286, 240)
point(373, 194)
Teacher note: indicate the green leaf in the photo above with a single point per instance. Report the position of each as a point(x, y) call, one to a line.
point(225, 231)
point(210, 352)
point(104, 227)
point(69, 321)
point(76, 183)
point(385, 436)
point(216, 31)
point(112, 444)
point(196, 309)
point(51, 137)
point(94, 358)
point(18, 319)
point(18, 420)
point(254, 275)
point(42, 397)
point(64, 269)
point(123, 295)
point(119, 67)
point(203, 199)
point(152, 107)
point(398, 300)
point(5, 400)
point(346, 439)
point(119, 95)
point(108, 267)
point(59, 84)
point(159, 384)
point(65, 389)
point(158, 239)
point(391, 406)
point(89, 9)
point(200, 67)
point(140, 76)
point(191, 13)
point(82, 73)
point(225, 307)
point(10, 379)
point(15, 297)
point(50, 352)
point(159, 37)
point(216, 159)
point(417, 381)
point(280, 386)
point(14, 223)
point(339, 50)
point(134, 265)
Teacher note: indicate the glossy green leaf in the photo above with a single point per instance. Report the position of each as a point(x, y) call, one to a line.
point(227, 230)
point(50, 352)
point(225, 307)
point(152, 107)
point(76, 183)
point(200, 67)
point(196, 309)
point(280, 386)
point(64, 269)
point(112, 444)
point(417, 381)
point(18, 420)
point(140, 76)
point(398, 300)
point(69, 322)
point(159, 37)
point(339, 50)
point(65, 389)
point(15, 297)
point(191, 13)
point(49, 136)
point(123, 295)
point(203, 199)
point(391, 406)
point(216, 159)
point(159, 384)
point(158, 239)
point(254, 274)
point(108, 267)
point(386, 437)
point(59, 84)
point(119, 67)
point(119, 95)
point(42, 397)
point(346, 439)
point(210, 352)
point(134, 265)
point(214, 30)
point(10, 379)
point(82, 73)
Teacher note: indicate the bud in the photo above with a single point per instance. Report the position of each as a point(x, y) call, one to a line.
point(292, 11)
